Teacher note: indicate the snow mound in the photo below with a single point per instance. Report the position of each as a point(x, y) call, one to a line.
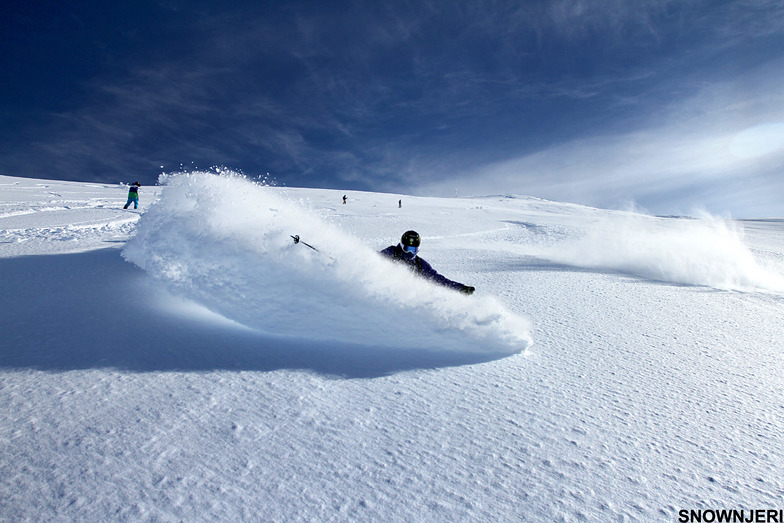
point(226, 243)
point(707, 251)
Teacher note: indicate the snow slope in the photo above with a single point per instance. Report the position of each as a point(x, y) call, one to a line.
point(189, 362)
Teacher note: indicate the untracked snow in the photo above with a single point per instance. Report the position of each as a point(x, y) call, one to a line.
point(189, 362)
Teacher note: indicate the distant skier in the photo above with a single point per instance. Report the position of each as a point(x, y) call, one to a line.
point(133, 195)
point(400, 204)
point(406, 252)
point(344, 199)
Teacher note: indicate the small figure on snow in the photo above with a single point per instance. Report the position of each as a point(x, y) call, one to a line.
point(406, 252)
point(344, 199)
point(400, 204)
point(133, 195)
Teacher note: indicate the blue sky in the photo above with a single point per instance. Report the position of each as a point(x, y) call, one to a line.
point(669, 106)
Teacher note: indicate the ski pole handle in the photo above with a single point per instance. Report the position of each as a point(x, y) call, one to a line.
point(297, 240)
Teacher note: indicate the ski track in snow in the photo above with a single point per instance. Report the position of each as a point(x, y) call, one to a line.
point(653, 386)
point(32, 220)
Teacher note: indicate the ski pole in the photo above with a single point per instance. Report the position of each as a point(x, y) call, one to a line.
point(297, 240)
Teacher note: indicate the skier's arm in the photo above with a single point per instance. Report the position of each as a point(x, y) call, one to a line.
point(427, 270)
point(389, 252)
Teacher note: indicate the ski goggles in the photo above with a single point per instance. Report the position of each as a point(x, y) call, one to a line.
point(410, 249)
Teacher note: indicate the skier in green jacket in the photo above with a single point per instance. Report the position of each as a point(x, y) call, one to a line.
point(133, 195)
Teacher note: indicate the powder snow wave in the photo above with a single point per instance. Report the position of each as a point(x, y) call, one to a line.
point(707, 251)
point(225, 242)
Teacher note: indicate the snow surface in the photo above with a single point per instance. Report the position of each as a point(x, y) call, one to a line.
point(188, 361)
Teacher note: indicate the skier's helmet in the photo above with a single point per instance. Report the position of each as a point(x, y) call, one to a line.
point(410, 243)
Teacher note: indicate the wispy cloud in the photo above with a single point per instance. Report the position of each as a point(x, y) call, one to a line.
point(694, 152)
point(569, 99)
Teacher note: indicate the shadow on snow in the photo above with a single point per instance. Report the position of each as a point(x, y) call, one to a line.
point(94, 310)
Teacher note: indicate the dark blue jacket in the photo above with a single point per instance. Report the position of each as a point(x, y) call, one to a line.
point(420, 266)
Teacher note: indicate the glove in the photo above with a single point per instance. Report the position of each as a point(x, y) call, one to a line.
point(467, 289)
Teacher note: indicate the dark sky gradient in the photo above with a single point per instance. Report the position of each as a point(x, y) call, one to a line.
point(669, 105)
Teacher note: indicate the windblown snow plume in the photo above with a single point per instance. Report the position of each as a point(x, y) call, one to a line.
point(705, 251)
point(226, 242)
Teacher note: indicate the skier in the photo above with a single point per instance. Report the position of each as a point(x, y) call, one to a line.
point(133, 195)
point(344, 199)
point(406, 252)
